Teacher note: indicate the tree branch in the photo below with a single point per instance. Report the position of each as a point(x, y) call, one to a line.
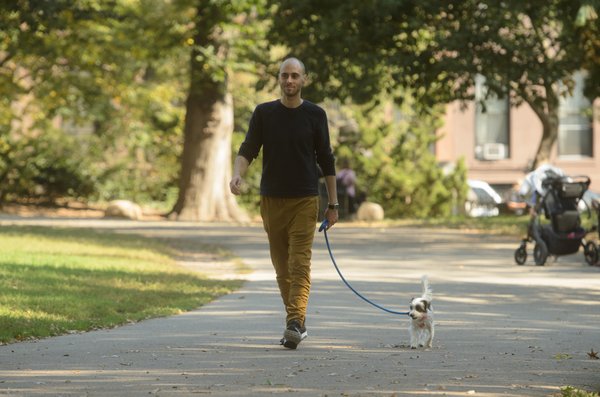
point(539, 40)
point(7, 58)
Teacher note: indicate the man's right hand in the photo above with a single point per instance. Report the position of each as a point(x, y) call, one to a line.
point(240, 166)
point(236, 185)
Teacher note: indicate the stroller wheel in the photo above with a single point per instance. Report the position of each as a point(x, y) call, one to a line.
point(590, 251)
point(520, 255)
point(540, 253)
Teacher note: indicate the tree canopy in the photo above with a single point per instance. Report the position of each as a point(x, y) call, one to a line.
point(107, 71)
point(528, 51)
point(357, 48)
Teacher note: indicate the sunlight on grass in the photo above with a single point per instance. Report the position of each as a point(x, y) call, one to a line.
point(54, 281)
point(503, 224)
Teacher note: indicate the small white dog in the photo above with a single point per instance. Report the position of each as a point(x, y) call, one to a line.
point(421, 326)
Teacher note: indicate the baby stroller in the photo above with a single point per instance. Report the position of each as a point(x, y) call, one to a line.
point(563, 235)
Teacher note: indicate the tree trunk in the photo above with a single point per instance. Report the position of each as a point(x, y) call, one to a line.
point(206, 163)
point(204, 193)
point(549, 137)
point(547, 112)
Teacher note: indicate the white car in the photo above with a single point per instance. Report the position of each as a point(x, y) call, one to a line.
point(482, 199)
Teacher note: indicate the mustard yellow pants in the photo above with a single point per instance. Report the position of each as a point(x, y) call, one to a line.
point(290, 225)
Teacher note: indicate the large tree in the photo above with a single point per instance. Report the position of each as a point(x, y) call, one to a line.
point(105, 63)
point(220, 43)
point(527, 50)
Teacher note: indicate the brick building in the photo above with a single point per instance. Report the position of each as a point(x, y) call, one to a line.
point(499, 143)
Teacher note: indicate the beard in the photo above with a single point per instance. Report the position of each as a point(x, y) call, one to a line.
point(290, 91)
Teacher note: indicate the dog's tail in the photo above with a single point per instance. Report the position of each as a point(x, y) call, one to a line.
point(427, 292)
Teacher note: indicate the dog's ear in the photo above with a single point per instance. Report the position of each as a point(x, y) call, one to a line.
point(427, 305)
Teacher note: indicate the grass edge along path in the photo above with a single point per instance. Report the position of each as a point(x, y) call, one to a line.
point(55, 281)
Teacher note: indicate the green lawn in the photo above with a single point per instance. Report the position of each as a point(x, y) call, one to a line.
point(504, 224)
point(58, 280)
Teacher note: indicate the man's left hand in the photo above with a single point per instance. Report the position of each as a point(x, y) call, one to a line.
point(332, 217)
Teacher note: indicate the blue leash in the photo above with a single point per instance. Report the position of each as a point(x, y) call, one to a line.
point(323, 228)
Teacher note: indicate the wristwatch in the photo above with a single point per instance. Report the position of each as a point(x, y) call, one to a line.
point(333, 206)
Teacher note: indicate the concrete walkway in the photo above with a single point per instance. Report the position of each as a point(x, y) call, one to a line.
point(501, 329)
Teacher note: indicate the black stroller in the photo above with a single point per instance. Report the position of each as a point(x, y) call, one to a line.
point(564, 234)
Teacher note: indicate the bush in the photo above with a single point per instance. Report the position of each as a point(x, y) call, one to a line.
point(47, 166)
point(395, 166)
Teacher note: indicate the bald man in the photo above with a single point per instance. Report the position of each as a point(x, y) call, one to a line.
point(294, 136)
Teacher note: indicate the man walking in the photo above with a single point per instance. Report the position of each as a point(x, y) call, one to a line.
point(294, 136)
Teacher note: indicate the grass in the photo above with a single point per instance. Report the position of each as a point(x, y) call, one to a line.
point(569, 391)
point(511, 225)
point(54, 281)
point(504, 224)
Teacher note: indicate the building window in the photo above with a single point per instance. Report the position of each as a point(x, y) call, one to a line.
point(575, 129)
point(491, 124)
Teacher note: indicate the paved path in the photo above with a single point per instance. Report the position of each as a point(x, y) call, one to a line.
point(501, 329)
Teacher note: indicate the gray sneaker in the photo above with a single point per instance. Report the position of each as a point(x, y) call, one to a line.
point(294, 334)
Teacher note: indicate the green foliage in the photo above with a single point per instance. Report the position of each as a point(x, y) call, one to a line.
point(47, 166)
point(345, 44)
point(357, 48)
point(587, 29)
point(116, 73)
point(527, 47)
point(570, 391)
point(136, 152)
point(113, 75)
point(527, 51)
point(395, 165)
point(504, 224)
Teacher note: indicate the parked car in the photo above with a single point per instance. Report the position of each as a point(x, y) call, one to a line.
point(482, 199)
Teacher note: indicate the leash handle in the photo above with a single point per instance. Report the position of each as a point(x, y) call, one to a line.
point(323, 228)
point(323, 225)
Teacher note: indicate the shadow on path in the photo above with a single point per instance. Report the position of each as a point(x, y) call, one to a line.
point(500, 328)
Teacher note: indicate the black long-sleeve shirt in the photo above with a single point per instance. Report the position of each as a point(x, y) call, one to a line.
point(294, 141)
